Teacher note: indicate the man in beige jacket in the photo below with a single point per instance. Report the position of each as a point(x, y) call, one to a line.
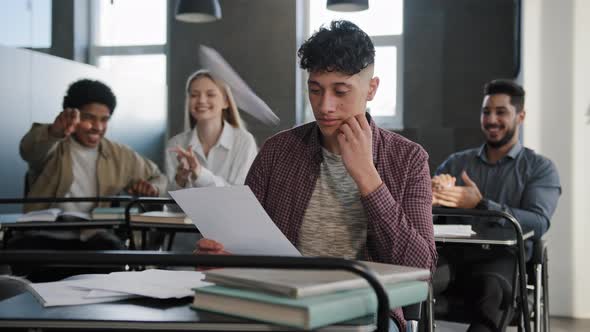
point(72, 158)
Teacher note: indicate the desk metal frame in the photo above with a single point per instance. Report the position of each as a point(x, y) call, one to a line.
point(521, 258)
point(171, 229)
point(171, 259)
point(126, 222)
point(67, 225)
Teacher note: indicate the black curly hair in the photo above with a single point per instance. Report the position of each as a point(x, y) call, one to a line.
point(509, 87)
point(344, 47)
point(85, 91)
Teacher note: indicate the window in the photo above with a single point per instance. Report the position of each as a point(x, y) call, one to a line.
point(383, 21)
point(129, 37)
point(26, 23)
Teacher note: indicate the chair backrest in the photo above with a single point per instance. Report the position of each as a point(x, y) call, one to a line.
point(413, 312)
point(11, 286)
point(27, 184)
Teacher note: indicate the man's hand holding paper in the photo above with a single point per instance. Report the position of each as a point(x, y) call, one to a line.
point(232, 221)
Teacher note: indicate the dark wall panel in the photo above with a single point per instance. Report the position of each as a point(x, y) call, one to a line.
point(451, 48)
point(258, 38)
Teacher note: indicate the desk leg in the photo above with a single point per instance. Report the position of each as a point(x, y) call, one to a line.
point(170, 240)
point(523, 290)
point(538, 290)
point(143, 239)
point(430, 310)
point(7, 234)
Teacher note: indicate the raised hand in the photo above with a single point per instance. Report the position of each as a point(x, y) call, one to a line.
point(143, 188)
point(356, 147)
point(65, 123)
point(188, 165)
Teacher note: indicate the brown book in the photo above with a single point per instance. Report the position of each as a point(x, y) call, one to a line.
point(161, 217)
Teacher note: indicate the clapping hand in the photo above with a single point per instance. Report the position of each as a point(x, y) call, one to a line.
point(442, 181)
point(464, 197)
point(188, 165)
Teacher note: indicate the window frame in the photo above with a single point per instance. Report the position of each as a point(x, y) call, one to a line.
point(387, 122)
point(96, 51)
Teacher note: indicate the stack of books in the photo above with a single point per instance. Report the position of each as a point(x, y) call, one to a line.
point(160, 217)
point(306, 299)
point(111, 213)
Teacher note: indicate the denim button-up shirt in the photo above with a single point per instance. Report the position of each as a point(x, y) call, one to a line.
point(523, 183)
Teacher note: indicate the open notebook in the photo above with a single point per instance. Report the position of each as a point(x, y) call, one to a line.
point(53, 215)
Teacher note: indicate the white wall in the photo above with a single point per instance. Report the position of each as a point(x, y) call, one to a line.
point(581, 158)
point(556, 70)
point(32, 86)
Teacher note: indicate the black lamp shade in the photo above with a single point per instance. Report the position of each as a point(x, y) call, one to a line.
point(198, 11)
point(348, 5)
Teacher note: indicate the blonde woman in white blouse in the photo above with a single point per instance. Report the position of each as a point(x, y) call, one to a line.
point(217, 151)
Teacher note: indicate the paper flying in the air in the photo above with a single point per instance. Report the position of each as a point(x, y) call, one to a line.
point(246, 99)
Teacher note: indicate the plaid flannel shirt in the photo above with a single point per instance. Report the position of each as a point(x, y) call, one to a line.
point(399, 212)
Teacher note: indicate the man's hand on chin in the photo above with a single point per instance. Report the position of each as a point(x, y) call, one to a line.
point(356, 147)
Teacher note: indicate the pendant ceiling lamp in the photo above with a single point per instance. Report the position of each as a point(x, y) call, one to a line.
point(348, 5)
point(198, 11)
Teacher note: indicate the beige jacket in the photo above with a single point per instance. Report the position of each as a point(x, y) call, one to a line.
point(50, 167)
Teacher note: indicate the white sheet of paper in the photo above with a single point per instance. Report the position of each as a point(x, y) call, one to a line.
point(62, 293)
point(96, 293)
point(245, 98)
point(453, 231)
point(234, 217)
point(161, 284)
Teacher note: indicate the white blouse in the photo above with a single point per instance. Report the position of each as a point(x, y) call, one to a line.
point(228, 162)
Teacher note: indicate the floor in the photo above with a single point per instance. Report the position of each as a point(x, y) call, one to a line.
point(558, 324)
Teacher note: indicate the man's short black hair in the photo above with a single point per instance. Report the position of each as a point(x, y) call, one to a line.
point(508, 87)
point(344, 47)
point(85, 91)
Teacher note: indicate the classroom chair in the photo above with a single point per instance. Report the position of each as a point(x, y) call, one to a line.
point(452, 308)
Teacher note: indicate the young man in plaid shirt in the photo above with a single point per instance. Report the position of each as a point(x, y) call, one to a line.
point(341, 186)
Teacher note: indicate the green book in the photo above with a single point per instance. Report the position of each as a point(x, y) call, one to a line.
point(302, 283)
point(309, 312)
point(108, 213)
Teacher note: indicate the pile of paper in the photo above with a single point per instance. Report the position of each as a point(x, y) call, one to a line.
point(97, 288)
point(453, 231)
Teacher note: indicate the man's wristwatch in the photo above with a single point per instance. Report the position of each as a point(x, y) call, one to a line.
point(483, 204)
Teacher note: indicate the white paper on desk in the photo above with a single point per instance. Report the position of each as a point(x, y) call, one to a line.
point(61, 293)
point(234, 217)
point(453, 231)
point(161, 284)
point(96, 293)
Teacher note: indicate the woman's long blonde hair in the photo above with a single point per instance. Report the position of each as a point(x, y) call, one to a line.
point(230, 114)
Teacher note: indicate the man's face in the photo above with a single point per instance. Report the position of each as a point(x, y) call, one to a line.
point(94, 118)
point(335, 97)
point(499, 120)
